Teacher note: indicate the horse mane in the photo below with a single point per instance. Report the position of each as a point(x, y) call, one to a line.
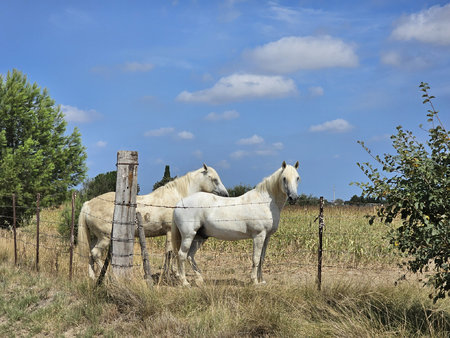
point(268, 183)
point(180, 184)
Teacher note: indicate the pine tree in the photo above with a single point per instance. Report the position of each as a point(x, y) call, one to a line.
point(36, 154)
point(166, 178)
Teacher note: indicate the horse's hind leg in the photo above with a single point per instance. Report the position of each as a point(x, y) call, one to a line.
point(186, 242)
point(196, 244)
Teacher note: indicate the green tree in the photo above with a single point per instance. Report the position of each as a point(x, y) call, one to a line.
point(101, 184)
point(36, 154)
point(416, 189)
point(304, 200)
point(238, 190)
point(166, 178)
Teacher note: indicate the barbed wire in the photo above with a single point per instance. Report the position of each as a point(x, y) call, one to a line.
point(135, 240)
point(187, 207)
point(355, 255)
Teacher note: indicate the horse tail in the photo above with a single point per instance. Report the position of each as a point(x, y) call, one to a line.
point(84, 238)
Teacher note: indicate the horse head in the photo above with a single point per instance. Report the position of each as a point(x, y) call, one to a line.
point(209, 181)
point(289, 180)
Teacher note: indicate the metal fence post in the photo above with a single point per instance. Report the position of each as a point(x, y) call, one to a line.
point(72, 224)
point(14, 228)
point(37, 230)
point(319, 265)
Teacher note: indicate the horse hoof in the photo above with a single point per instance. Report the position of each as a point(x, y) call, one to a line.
point(199, 281)
point(259, 283)
point(186, 284)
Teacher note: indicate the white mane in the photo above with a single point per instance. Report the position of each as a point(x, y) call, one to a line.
point(270, 183)
point(179, 184)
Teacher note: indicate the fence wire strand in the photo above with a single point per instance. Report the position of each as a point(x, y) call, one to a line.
point(60, 245)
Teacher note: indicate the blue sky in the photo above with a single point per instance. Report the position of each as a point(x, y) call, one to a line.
point(238, 85)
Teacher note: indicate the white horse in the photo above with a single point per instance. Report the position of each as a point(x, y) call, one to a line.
point(255, 215)
point(156, 209)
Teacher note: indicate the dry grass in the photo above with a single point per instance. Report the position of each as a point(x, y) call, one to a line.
point(36, 304)
point(359, 296)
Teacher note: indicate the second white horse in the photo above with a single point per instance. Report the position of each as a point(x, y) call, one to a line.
point(256, 215)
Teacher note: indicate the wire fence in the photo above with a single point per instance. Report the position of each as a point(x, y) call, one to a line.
point(303, 240)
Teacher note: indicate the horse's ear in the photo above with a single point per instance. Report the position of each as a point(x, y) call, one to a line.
point(283, 165)
point(205, 167)
point(296, 165)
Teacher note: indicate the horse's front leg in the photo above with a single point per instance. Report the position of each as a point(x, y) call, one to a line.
point(168, 254)
point(258, 243)
point(261, 261)
point(96, 254)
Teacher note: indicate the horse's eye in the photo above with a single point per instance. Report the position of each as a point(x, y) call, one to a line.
point(284, 179)
point(215, 181)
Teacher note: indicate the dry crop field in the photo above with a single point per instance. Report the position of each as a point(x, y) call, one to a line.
point(361, 295)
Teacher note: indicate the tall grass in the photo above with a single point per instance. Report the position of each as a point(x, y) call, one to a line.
point(349, 242)
point(36, 304)
point(358, 298)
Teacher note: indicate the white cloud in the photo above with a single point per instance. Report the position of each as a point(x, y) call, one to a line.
point(315, 91)
point(269, 150)
point(186, 135)
point(198, 154)
point(73, 114)
point(101, 144)
point(262, 149)
point(380, 138)
point(237, 87)
point(397, 59)
point(159, 132)
point(238, 154)
point(255, 139)
point(226, 115)
point(294, 53)
point(284, 13)
point(335, 126)
point(132, 67)
point(278, 145)
point(224, 164)
point(429, 26)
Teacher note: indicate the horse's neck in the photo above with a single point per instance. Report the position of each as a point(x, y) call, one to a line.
point(186, 185)
point(173, 190)
point(271, 186)
point(183, 185)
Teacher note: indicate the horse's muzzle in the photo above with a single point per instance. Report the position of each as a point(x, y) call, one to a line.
point(221, 192)
point(292, 197)
point(224, 193)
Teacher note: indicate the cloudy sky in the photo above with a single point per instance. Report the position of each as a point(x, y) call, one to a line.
point(238, 85)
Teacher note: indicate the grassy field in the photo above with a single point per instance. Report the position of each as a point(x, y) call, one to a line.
point(361, 292)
